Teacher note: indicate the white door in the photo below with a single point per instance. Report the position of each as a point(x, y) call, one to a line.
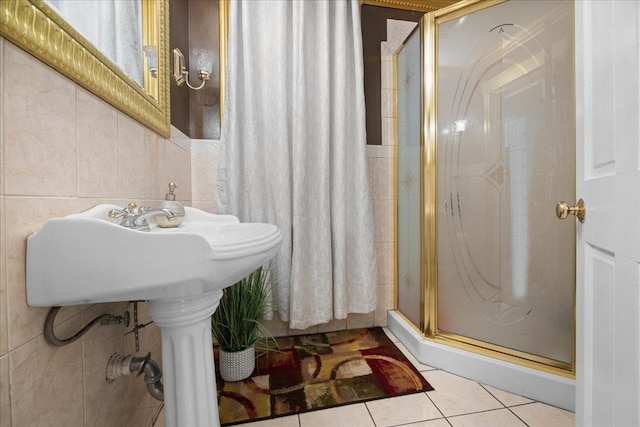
point(608, 246)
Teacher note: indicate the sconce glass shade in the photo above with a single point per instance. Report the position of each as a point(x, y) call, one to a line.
point(151, 53)
point(204, 63)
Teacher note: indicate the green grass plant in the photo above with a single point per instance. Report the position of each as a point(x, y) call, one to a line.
point(236, 323)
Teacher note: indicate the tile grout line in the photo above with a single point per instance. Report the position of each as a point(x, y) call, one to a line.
point(504, 406)
point(423, 421)
point(492, 395)
point(516, 415)
point(370, 414)
point(489, 410)
point(507, 407)
point(434, 403)
point(476, 412)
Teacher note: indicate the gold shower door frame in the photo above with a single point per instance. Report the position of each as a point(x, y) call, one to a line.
point(429, 239)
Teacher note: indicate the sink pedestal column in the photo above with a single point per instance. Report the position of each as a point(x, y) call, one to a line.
point(190, 397)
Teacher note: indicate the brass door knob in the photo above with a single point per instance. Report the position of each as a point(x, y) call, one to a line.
point(563, 210)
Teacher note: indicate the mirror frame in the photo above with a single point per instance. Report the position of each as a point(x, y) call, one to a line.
point(39, 30)
point(414, 5)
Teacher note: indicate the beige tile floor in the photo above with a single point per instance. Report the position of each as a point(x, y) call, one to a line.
point(455, 402)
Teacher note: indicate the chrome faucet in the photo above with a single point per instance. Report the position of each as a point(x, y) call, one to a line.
point(136, 218)
point(140, 220)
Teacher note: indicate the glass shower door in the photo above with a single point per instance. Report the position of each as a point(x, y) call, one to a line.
point(505, 155)
point(408, 167)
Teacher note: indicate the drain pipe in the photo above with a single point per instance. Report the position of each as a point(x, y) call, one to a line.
point(119, 366)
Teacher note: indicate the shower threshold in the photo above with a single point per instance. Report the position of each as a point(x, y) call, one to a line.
point(552, 389)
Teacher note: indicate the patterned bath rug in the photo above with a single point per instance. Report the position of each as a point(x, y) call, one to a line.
point(318, 371)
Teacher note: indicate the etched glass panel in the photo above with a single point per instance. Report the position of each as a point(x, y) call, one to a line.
point(408, 177)
point(506, 155)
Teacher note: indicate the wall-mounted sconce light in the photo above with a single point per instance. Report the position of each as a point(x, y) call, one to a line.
point(204, 65)
point(151, 53)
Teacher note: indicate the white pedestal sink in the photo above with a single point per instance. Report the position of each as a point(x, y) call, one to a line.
point(190, 397)
point(88, 258)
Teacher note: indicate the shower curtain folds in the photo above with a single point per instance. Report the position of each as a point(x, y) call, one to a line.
point(292, 151)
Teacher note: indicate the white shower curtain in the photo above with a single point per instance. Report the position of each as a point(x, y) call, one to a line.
point(293, 151)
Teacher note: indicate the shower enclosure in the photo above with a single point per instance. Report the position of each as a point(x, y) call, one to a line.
point(485, 149)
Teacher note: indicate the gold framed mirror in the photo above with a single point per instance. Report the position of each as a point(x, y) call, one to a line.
point(40, 30)
point(415, 5)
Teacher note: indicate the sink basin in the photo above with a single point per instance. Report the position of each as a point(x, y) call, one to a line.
point(89, 258)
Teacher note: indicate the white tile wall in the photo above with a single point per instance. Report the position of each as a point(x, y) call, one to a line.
point(63, 150)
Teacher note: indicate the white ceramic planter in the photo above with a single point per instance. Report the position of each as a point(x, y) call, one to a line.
point(237, 365)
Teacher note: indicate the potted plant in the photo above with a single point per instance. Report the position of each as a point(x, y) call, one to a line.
point(236, 323)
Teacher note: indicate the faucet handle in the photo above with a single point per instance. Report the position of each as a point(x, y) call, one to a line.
point(117, 213)
point(126, 213)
